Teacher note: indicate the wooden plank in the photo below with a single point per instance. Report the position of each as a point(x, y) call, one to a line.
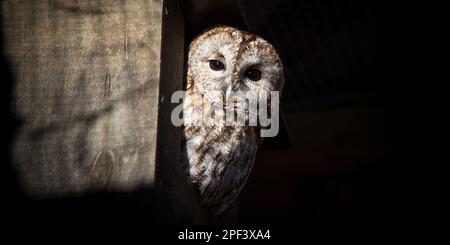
point(86, 77)
point(176, 201)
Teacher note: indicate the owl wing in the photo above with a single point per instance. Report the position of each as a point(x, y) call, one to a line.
point(230, 174)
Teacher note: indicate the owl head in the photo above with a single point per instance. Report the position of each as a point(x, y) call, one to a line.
point(229, 60)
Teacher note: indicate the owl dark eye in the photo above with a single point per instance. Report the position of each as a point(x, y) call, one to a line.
point(216, 65)
point(253, 74)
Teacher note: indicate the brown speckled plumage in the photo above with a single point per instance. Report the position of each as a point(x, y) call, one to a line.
point(219, 159)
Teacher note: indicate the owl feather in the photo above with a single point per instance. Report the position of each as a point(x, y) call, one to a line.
point(219, 158)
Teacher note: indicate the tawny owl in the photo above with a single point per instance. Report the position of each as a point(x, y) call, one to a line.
point(219, 158)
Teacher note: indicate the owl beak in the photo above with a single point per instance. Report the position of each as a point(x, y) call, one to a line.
point(229, 92)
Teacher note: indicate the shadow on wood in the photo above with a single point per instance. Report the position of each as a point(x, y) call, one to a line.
point(87, 103)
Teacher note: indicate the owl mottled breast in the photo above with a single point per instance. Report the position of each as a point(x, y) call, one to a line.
point(220, 158)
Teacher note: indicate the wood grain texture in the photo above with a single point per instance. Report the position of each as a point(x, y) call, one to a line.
point(86, 76)
point(176, 201)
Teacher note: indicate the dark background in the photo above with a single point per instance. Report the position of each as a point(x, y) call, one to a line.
point(343, 151)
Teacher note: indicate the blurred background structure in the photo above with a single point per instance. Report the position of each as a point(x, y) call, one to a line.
point(343, 150)
point(342, 154)
point(343, 167)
